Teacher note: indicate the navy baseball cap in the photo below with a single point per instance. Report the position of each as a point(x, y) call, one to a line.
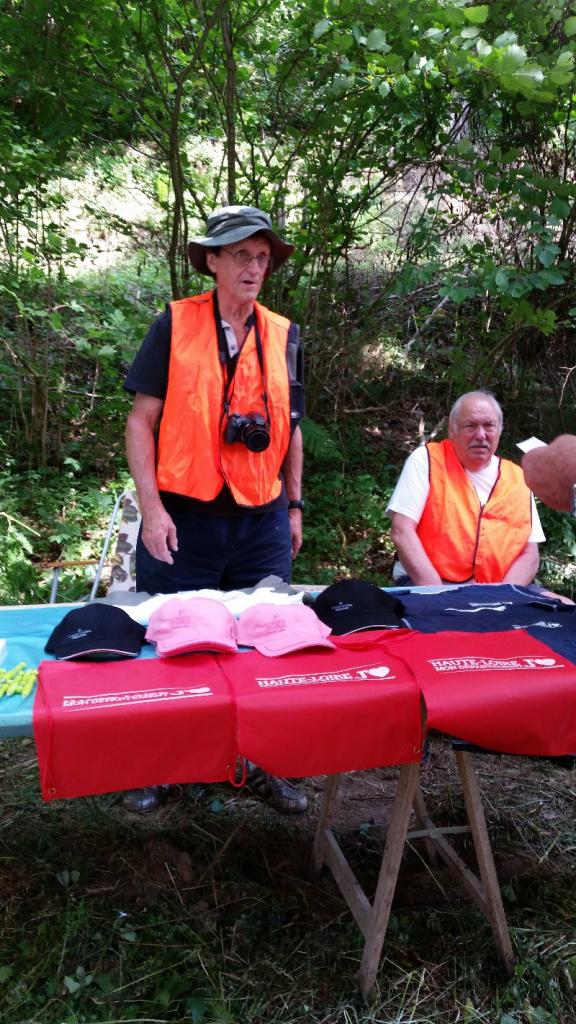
point(354, 605)
point(96, 632)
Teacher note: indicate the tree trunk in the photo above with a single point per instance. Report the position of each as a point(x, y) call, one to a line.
point(230, 102)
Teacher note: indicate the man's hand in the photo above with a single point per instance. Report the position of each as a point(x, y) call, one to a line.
point(295, 518)
point(550, 472)
point(159, 536)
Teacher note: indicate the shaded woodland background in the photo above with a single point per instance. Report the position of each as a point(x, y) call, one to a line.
point(421, 158)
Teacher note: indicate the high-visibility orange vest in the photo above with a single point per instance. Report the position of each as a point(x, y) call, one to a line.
point(462, 539)
point(193, 458)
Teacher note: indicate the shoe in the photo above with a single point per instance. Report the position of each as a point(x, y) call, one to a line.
point(277, 792)
point(141, 801)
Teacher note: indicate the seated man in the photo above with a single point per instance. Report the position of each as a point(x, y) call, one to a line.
point(459, 513)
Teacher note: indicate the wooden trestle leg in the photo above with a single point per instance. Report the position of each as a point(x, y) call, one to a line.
point(484, 891)
point(372, 918)
point(395, 840)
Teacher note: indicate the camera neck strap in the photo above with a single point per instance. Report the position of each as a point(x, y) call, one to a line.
point(229, 362)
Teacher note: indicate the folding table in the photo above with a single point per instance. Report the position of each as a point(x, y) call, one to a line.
point(388, 726)
point(254, 708)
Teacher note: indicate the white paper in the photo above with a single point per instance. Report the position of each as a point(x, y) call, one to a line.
point(530, 443)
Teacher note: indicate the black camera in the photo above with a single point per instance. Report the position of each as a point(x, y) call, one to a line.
point(252, 430)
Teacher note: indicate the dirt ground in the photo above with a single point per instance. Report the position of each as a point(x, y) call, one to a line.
point(529, 806)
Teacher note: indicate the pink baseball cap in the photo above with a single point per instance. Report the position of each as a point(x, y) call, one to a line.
point(278, 629)
point(192, 624)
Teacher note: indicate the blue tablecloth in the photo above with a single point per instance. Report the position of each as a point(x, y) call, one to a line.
point(26, 630)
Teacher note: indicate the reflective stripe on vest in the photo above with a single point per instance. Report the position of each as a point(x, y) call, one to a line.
point(193, 458)
point(463, 540)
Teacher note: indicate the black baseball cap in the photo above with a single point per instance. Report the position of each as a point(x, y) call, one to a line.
point(353, 605)
point(96, 632)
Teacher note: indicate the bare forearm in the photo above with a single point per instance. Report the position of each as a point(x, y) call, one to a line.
point(412, 553)
point(419, 567)
point(525, 567)
point(158, 530)
point(141, 456)
point(292, 472)
point(293, 466)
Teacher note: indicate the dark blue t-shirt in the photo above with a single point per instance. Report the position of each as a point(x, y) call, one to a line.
point(495, 608)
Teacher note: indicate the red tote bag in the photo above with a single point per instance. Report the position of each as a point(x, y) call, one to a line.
point(102, 727)
point(505, 691)
point(316, 712)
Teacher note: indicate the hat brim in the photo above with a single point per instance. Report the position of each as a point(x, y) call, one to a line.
point(275, 646)
point(168, 648)
point(279, 251)
point(98, 652)
point(358, 624)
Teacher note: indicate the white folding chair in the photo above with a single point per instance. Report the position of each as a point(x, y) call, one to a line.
point(124, 524)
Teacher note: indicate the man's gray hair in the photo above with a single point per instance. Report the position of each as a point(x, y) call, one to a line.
point(455, 410)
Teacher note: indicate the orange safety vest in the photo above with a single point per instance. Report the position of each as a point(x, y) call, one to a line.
point(462, 539)
point(193, 458)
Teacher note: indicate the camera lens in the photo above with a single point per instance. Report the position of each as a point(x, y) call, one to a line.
point(256, 437)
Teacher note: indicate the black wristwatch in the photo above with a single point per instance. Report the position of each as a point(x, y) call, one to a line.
point(296, 503)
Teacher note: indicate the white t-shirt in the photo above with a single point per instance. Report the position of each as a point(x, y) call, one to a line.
point(411, 492)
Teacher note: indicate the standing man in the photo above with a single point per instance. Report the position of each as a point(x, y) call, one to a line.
point(213, 439)
point(460, 514)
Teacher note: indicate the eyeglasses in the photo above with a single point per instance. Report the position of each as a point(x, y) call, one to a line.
point(243, 258)
point(489, 427)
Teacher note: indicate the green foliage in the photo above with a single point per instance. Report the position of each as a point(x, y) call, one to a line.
point(317, 114)
point(320, 444)
point(420, 156)
point(558, 555)
point(50, 517)
point(64, 348)
point(345, 527)
point(17, 583)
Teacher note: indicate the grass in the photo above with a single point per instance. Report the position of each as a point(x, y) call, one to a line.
point(206, 911)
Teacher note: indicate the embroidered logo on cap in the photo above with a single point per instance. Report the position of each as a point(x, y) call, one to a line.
point(272, 632)
point(274, 625)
